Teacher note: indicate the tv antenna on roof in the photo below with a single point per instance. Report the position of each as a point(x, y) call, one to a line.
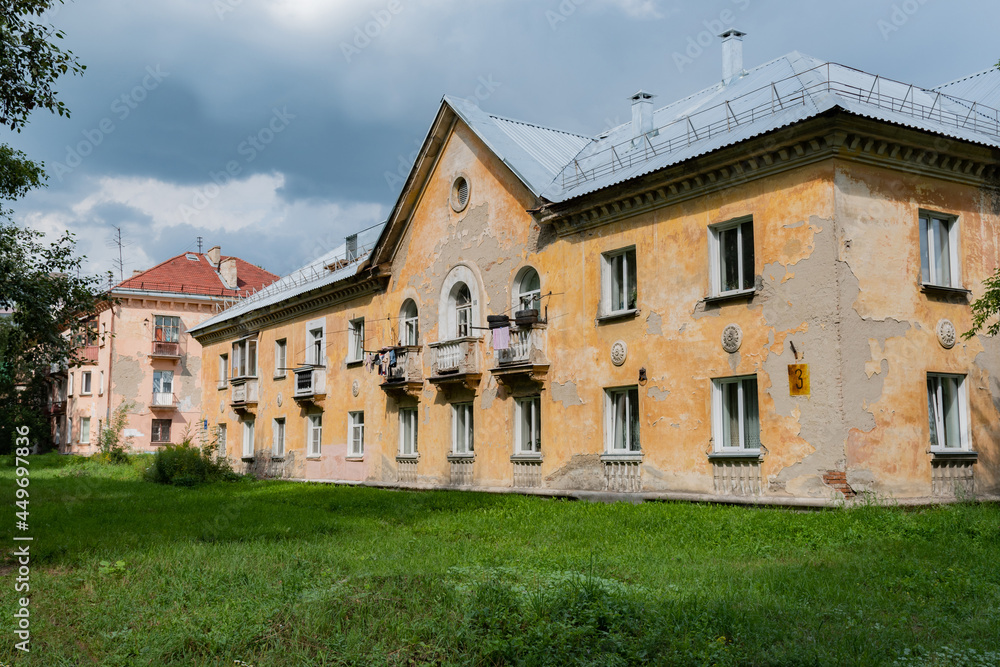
point(117, 240)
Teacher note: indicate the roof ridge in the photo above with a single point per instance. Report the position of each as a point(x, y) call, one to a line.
point(540, 127)
point(966, 77)
point(155, 266)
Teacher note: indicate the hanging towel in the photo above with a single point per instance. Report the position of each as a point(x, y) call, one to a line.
point(501, 338)
point(392, 357)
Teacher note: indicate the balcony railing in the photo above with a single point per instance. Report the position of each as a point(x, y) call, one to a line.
point(56, 408)
point(520, 348)
point(245, 391)
point(524, 359)
point(408, 367)
point(165, 349)
point(163, 399)
point(309, 382)
point(88, 354)
point(459, 356)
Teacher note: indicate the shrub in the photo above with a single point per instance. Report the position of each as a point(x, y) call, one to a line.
point(114, 445)
point(188, 465)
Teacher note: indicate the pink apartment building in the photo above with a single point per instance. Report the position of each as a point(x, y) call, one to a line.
point(139, 350)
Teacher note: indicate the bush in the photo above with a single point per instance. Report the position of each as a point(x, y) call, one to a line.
point(187, 465)
point(113, 443)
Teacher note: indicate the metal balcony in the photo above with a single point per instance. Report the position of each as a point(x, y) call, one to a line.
point(165, 350)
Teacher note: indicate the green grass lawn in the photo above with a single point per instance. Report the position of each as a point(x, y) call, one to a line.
point(277, 573)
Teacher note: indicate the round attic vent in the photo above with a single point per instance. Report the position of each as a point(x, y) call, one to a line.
point(460, 194)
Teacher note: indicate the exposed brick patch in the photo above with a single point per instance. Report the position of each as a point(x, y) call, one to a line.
point(838, 480)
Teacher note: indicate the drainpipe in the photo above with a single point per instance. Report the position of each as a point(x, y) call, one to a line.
point(111, 362)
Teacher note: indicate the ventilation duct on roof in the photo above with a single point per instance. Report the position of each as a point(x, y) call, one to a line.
point(352, 247)
point(732, 54)
point(642, 114)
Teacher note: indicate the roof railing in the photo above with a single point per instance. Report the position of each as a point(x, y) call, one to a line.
point(760, 103)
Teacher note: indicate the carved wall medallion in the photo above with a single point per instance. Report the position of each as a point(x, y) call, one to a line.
point(279, 399)
point(946, 334)
point(619, 352)
point(732, 338)
point(355, 388)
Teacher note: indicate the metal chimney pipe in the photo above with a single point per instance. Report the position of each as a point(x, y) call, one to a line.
point(642, 113)
point(732, 54)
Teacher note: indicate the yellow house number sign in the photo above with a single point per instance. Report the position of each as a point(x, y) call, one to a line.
point(798, 379)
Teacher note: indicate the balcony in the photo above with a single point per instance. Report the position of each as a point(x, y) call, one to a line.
point(88, 354)
point(525, 359)
point(165, 350)
point(406, 375)
point(55, 408)
point(163, 400)
point(455, 362)
point(310, 383)
point(244, 392)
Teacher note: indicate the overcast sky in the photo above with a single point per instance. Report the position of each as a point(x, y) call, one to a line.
point(275, 127)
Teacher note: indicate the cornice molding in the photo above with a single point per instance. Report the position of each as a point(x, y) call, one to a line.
point(839, 136)
point(302, 304)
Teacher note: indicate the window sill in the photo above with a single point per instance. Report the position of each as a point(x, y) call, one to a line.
point(247, 458)
point(471, 456)
point(355, 457)
point(526, 457)
point(618, 315)
point(954, 454)
point(626, 457)
point(354, 363)
point(279, 377)
point(278, 458)
point(222, 386)
point(730, 296)
point(942, 289)
point(407, 457)
point(313, 457)
point(750, 454)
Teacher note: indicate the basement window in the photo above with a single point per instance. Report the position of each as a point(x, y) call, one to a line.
point(947, 407)
point(731, 257)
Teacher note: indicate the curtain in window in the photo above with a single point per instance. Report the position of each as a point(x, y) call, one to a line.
point(751, 419)
point(746, 231)
point(633, 413)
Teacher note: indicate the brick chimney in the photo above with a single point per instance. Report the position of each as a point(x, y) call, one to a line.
point(214, 254)
point(227, 270)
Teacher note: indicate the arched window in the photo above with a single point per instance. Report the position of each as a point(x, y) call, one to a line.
point(463, 310)
point(527, 290)
point(408, 331)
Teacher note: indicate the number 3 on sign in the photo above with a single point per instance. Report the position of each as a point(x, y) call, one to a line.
point(798, 379)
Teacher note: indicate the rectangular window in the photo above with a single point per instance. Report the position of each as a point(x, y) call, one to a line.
point(161, 431)
point(245, 358)
point(100, 384)
point(732, 260)
point(356, 351)
point(85, 377)
point(622, 414)
point(735, 415)
point(69, 386)
point(223, 370)
point(278, 437)
point(163, 387)
point(315, 423)
point(166, 329)
point(316, 343)
point(408, 431)
point(410, 329)
point(84, 430)
point(947, 407)
point(462, 428)
point(939, 250)
point(248, 439)
point(529, 425)
point(69, 431)
point(618, 278)
point(356, 422)
point(220, 445)
point(280, 358)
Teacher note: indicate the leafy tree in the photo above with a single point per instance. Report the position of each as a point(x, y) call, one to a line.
point(41, 294)
point(986, 308)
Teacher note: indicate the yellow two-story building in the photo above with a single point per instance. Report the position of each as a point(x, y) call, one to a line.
point(754, 294)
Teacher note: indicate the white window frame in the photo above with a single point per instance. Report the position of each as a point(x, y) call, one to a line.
point(244, 360)
point(630, 395)
point(166, 385)
point(278, 436)
point(527, 299)
point(932, 227)
point(715, 256)
point(356, 340)
point(314, 428)
point(463, 314)
point(69, 385)
point(280, 357)
point(463, 443)
point(409, 324)
point(408, 446)
point(100, 384)
point(86, 383)
point(936, 411)
point(168, 324)
point(356, 433)
point(69, 431)
point(316, 356)
point(528, 410)
point(624, 261)
point(223, 370)
point(220, 446)
point(84, 430)
point(718, 415)
point(248, 438)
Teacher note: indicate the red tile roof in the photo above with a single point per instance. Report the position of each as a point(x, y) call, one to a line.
point(198, 276)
